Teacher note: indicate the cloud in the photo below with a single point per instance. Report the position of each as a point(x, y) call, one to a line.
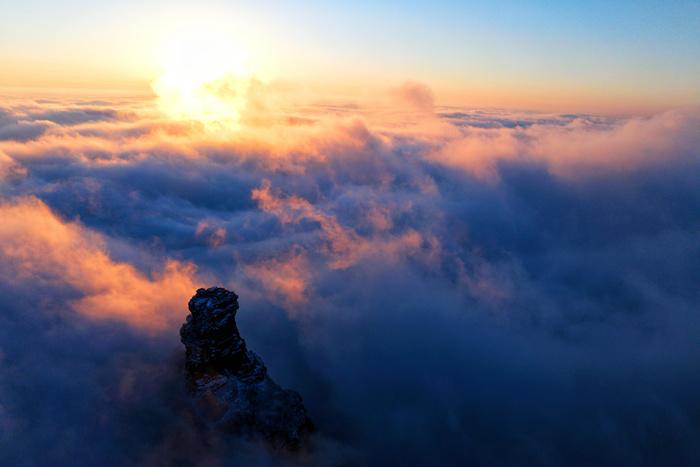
point(22, 131)
point(574, 146)
point(16, 128)
point(479, 287)
point(214, 236)
point(342, 246)
point(38, 247)
point(283, 279)
point(76, 116)
point(9, 169)
point(416, 95)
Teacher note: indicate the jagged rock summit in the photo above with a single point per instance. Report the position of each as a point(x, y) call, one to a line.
point(230, 382)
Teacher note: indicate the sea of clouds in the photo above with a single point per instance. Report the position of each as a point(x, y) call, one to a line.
point(444, 286)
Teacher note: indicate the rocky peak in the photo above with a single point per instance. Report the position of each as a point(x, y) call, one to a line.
point(212, 341)
point(229, 382)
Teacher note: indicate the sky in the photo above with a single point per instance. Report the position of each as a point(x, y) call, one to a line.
point(605, 56)
point(465, 234)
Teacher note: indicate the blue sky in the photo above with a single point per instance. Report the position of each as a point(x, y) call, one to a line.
point(634, 49)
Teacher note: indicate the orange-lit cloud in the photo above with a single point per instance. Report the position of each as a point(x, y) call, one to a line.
point(285, 278)
point(572, 149)
point(213, 235)
point(343, 245)
point(417, 96)
point(37, 246)
point(9, 169)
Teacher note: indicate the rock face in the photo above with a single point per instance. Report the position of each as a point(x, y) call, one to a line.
point(230, 382)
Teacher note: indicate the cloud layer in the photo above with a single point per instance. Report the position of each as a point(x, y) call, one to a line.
point(452, 286)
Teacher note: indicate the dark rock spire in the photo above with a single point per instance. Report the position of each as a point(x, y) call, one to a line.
point(230, 382)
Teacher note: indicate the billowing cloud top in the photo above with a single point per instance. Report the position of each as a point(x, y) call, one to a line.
point(450, 286)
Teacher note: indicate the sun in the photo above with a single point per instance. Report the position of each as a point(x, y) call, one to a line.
point(205, 77)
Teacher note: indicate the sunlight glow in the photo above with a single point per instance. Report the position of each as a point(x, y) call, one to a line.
point(205, 78)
